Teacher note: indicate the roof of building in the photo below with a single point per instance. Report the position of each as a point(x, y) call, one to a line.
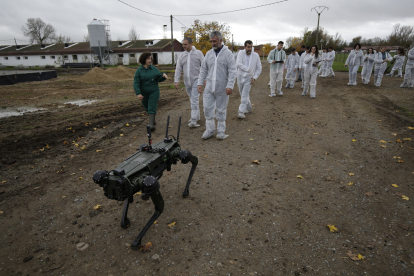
point(387, 48)
point(84, 48)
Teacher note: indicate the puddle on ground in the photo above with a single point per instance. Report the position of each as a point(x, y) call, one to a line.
point(81, 102)
point(18, 111)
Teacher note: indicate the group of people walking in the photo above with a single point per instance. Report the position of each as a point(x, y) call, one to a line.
point(214, 75)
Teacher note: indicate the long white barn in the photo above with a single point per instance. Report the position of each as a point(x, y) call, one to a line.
point(122, 53)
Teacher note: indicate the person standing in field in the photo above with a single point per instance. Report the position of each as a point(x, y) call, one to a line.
point(276, 58)
point(368, 65)
point(219, 71)
point(303, 65)
point(381, 59)
point(330, 58)
point(292, 65)
point(249, 68)
point(323, 66)
point(302, 50)
point(312, 62)
point(189, 63)
point(353, 62)
point(399, 61)
point(409, 70)
point(146, 87)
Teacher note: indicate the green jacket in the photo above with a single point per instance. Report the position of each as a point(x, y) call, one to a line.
point(146, 80)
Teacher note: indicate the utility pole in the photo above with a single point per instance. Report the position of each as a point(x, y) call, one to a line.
point(172, 42)
point(15, 42)
point(319, 10)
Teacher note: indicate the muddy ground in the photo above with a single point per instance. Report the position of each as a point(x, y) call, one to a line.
point(321, 163)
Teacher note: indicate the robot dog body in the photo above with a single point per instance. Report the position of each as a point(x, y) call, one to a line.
point(140, 172)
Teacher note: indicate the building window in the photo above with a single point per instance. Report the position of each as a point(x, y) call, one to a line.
point(120, 55)
point(75, 56)
point(65, 57)
point(18, 58)
point(6, 58)
point(26, 57)
point(131, 55)
point(43, 57)
point(52, 57)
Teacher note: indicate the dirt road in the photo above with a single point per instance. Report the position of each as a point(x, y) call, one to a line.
point(321, 163)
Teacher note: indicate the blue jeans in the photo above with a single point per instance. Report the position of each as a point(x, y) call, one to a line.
point(299, 78)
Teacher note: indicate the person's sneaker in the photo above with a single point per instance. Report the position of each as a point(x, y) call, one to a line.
point(280, 92)
point(193, 124)
point(404, 85)
point(241, 115)
point(207, 134)
point(303, 93)
point(354, 84)
point(398, 76)
point(312, 97)
point(349, 83)
point(221, 136)
point(272, 95)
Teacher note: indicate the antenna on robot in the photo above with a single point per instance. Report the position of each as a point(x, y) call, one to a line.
point(179, 125)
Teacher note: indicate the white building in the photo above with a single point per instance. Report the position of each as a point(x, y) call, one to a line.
point(122, 53)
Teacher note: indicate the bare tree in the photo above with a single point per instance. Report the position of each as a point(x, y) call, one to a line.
point(61, 39)
point(401, 35)
point(86, 38)
point(38, 31)
point(133, 35)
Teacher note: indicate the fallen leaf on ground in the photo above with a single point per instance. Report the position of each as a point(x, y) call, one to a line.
point(65, 142)
point(403, 226)
point(382, 141)
point(299, 176)
point(394, 185)
point(146, 248)
point(395, 134)
point(138, 193)
point(98, 150)
point(326, 153)
point(332, 228)
point(410, 127)
point(205, 156)
point(63, 196)
point(351, 174)
point(127, 124)
point(80, 177)
point(350, 183)
point(360, 257)
point(398, 194)
point(155, 222)
point(354, 257)
point(1, 212)
point(383, 146)
point(404, 197)
point(171, 225)
point(76, 145)
point(97, 207)
point(251, 139)
point(369, 194)
point(121, 134)
point(400, 161)
point(249, 130)
point(353, 140)
point(316, 133)
point(256, 162)
point(4, 181)
point(407, 139)
point(399, 141)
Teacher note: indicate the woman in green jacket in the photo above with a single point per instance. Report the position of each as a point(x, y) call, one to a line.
point(146, 81)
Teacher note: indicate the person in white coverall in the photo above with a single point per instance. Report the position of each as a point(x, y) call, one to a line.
point(292, 65)
point(303, 65)
point(399, 61)
point(323, 66)
point(189, 62)
point(330, 57)
point(312, 61)
point(249, 68)
point(219, 71)
point(409, 70)
point(381, 60)
point(353, 62)
point(276, 58)
point(368, 65)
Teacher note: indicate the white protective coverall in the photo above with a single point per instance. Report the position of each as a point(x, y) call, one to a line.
point(409, 70)
point(292, 63)
point(323, 66)
point(330, 57)
point(219, 70)
point(248, 67)
point(399, 61)
point(354, 60)
point(276, 71)
point(380, 67)
point(311, 73)
point(367, 67)
point(302, 66)
point(190, 63)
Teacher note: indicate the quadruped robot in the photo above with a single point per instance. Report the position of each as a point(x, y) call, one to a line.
point(141, 172)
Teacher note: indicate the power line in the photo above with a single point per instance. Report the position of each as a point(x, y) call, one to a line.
point(179, 22)
point(273, 3)
point(143, 10)
point(278, 2)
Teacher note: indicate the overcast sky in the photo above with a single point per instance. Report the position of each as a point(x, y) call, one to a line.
point(351, 18)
